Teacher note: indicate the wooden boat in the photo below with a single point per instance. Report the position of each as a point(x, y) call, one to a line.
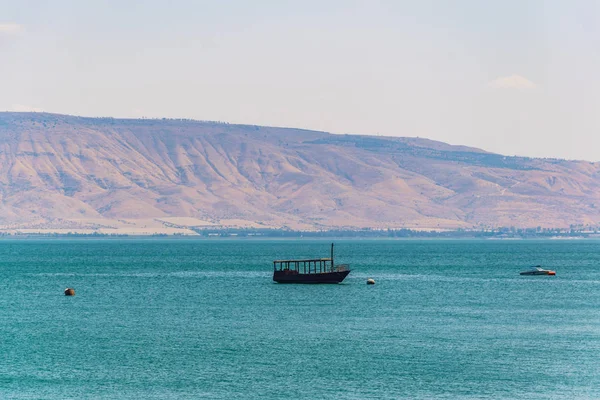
point(319, 270)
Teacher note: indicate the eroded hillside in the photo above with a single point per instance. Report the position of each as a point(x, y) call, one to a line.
point(63, 172)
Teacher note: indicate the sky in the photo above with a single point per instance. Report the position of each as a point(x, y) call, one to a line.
point(517, 77)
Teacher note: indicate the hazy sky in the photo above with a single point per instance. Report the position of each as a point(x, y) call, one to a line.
point(515, 77)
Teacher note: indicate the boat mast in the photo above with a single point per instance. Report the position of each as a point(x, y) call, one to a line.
point(332, 257)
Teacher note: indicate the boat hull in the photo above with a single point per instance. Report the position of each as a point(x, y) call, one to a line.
point(538, 273)
point(288, 276)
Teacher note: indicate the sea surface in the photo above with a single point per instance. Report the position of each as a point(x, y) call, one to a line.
point(189, 319)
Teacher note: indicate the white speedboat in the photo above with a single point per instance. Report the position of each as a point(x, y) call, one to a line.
point(538, 270)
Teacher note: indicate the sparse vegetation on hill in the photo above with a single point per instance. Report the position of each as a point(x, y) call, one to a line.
point(132, 176)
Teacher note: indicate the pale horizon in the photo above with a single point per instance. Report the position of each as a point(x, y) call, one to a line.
point(515, 78)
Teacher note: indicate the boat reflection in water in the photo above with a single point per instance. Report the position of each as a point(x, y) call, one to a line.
point(319, 270)
point(538, 270)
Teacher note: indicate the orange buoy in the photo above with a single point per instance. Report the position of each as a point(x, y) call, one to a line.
point(69, 292)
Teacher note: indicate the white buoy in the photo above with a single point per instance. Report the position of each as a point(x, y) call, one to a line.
point(370, 281)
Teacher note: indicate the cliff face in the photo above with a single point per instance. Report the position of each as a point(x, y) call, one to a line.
point(71, 172)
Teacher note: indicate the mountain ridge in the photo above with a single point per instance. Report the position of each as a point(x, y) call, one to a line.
point(63, 172)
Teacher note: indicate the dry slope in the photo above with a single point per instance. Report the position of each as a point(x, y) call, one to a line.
point(64, 172)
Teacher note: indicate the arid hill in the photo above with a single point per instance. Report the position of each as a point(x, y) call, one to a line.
point(64, 173)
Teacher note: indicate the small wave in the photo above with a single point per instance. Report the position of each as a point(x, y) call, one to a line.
point(175, 274)
point(220, 274)
point(447, 278)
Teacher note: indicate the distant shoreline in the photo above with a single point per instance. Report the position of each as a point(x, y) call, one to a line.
point(326, 235)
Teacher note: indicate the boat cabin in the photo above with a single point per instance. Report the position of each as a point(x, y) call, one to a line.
point(313, 266)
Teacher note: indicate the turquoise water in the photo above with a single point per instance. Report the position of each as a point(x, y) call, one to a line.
point(185, 319)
